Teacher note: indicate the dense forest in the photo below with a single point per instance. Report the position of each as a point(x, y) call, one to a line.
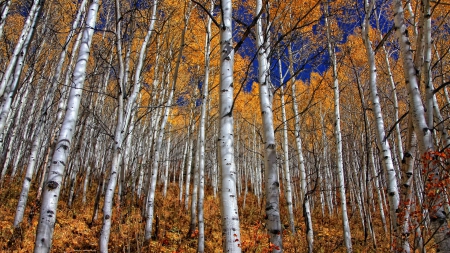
point(224, 126)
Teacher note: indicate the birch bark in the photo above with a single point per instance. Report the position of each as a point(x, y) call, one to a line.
point(123, 117)
point(301, 160)
point(272, 184)
point(5, 10)
point(438, 220)
point(287, 175)
point(202, 144)
point(382, 142)
point(47, 218)
point(337, 115)
point(160, 133)
point(229, 208)
point(28, 27)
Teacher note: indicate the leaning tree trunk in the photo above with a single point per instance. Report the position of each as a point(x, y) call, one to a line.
point(29, 26)
point(381, 138)
point(37, 135)
point(4, 14)
point(50, 196)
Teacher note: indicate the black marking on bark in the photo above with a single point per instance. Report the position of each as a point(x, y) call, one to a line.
point(28, 179)
point(107, 217)
point(269, 208)
point(52, 185)
point(391, 193)
point(50, 211)
point(276, 184)
point(271, 146)
point(409, 174)
point(275, 231)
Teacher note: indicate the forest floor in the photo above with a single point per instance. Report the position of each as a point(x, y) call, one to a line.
point(74, 233)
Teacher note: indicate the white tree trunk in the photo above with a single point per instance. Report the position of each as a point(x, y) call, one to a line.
point(47, 218)
point(4, 14)
point(123, 117)
point(438, 219)
point(287, 174)
point(167, 163)
point(189, 161)
point(272, 184)
point(301, 162)
point(41, 122)
point(229, 208)
point(29, 26)
point(337, 115)
point(382, 141)
point(202, 139)
point(160, 134)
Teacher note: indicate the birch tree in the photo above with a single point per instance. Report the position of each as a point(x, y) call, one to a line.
point(161, 130)
point(438, 218)
point(202, 138)
point(270, 157)
point(37, 135)
point(301, 161)
point(337, 117)
point(50, 196)
point(29, 26)
point(228, 201)
point(123, 117)
point(382, 141)
point(4, 13)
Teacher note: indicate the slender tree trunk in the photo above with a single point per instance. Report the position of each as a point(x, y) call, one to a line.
point(301, 162)
point(202, 139)
point(4, 14)
point(124, 115)
point(47, 219)
point(229, 208)
point(287, 174)
point(29, 27)
point(189, 161)
point(337, 115)
point(167, 163)
point(382, 141)
point(438, 218)
point(272, 184)
point(159, 137)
